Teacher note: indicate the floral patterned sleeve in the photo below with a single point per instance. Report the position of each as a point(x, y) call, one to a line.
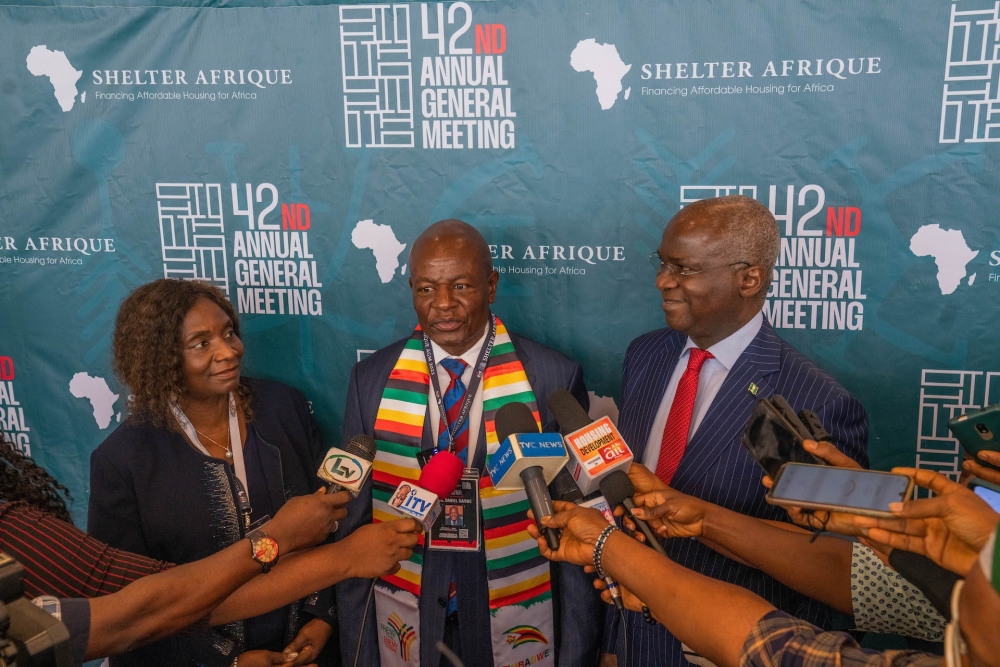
point(884, 601)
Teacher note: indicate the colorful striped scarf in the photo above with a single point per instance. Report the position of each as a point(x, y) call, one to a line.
point(518, 574)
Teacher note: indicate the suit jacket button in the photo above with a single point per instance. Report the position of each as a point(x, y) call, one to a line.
point(442, 602)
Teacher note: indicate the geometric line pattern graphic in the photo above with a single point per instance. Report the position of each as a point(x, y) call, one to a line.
point(970, 104)
point(945, 394)
point(377, 76)
point(192, 232)
point(693, 193)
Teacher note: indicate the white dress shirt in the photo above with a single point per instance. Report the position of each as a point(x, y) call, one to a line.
point(475, 418)
point(713, 374)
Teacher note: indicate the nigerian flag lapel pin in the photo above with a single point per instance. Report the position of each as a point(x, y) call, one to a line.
point(753, 389)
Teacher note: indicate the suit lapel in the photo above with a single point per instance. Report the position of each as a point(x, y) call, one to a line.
point(731, 409)
point(652, 377)
point(270, 459)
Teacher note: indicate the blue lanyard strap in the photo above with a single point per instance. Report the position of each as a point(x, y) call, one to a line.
point(470, 393)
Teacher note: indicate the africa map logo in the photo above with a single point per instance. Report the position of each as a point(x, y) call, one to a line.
point(524, 634)
point(406, 634)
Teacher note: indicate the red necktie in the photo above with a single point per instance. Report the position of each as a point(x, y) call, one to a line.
point(675, 433)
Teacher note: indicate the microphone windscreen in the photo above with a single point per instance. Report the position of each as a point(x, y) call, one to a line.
point(514, 418)
point(441, 474)
point(567, 411)
point(616, 487)
point(566, 488)
point(362, 446)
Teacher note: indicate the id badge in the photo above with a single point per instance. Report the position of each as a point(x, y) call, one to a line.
point(457, 529)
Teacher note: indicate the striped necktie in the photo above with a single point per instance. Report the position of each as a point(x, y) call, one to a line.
point(453, 399)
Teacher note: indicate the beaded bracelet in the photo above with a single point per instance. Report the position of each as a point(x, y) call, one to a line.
point(599, 547)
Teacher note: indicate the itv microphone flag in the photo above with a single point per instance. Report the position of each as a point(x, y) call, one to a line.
point(290, 153)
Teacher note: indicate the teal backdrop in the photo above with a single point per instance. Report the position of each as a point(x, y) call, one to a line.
point(291, 154)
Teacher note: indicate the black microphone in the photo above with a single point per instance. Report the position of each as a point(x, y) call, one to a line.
point(595, 446)
point(514, 419)
point(617, 488)
point(347, 469)
point(567, 411)
point(568, 491)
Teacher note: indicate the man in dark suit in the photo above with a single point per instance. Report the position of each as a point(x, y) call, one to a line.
point(453, 284)
point(688, 391)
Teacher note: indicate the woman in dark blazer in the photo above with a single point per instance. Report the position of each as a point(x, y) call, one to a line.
point(204, 457)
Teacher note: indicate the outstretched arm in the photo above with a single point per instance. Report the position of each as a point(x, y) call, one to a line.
point(820, 569)
point(712, 617)
point(162, 604)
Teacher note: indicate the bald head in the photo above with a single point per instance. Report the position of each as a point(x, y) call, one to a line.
point(453, 284)
point(453, 236)
point(746, 228)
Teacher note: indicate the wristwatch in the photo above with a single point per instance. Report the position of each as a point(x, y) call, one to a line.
point(263, 548)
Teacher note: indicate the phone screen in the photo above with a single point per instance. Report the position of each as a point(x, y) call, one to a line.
point(990, 496)
point(861, 489)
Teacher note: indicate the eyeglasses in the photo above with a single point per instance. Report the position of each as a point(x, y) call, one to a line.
point(683, 271)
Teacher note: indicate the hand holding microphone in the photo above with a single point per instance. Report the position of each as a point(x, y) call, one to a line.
point(305, 521)
point(527, 459)
point(376, 549)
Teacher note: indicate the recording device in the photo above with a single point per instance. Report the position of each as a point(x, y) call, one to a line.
point(29, 637)
point(596, 448)
point(617, 488)
point(527, 459)
point(348, 469)
point(774, 435)
point(866, 492)
point(978, 430)
point(988, 492)
point(568, 490)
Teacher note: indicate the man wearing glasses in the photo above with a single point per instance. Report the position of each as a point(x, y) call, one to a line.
point(688, 391)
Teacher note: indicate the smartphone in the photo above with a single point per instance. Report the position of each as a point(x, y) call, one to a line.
point(772, 441)
point(867, 492)
point(988, 492)
point(978, 430)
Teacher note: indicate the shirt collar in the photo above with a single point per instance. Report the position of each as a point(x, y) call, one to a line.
point(728, 350)
point(471, 356)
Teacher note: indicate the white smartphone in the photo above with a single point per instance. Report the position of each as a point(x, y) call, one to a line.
point(867, 492)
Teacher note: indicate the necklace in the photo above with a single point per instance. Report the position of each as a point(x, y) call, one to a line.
point(229, 449)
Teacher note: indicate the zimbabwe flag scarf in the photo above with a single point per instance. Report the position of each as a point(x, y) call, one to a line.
point(520, 589)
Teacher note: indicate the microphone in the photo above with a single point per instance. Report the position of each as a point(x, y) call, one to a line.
point(348, 469)
point(527, 459)
point(409, 499)
point(596, 448)
point(567, 490)
point(441, 474)
point(618, 490)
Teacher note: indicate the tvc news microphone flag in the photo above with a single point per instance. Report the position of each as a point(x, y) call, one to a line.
point(529, 460)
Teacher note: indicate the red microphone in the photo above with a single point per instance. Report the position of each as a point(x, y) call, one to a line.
point(441, 474)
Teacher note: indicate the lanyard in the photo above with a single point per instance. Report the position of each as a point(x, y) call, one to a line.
point(242, 490)
point(470, 393)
